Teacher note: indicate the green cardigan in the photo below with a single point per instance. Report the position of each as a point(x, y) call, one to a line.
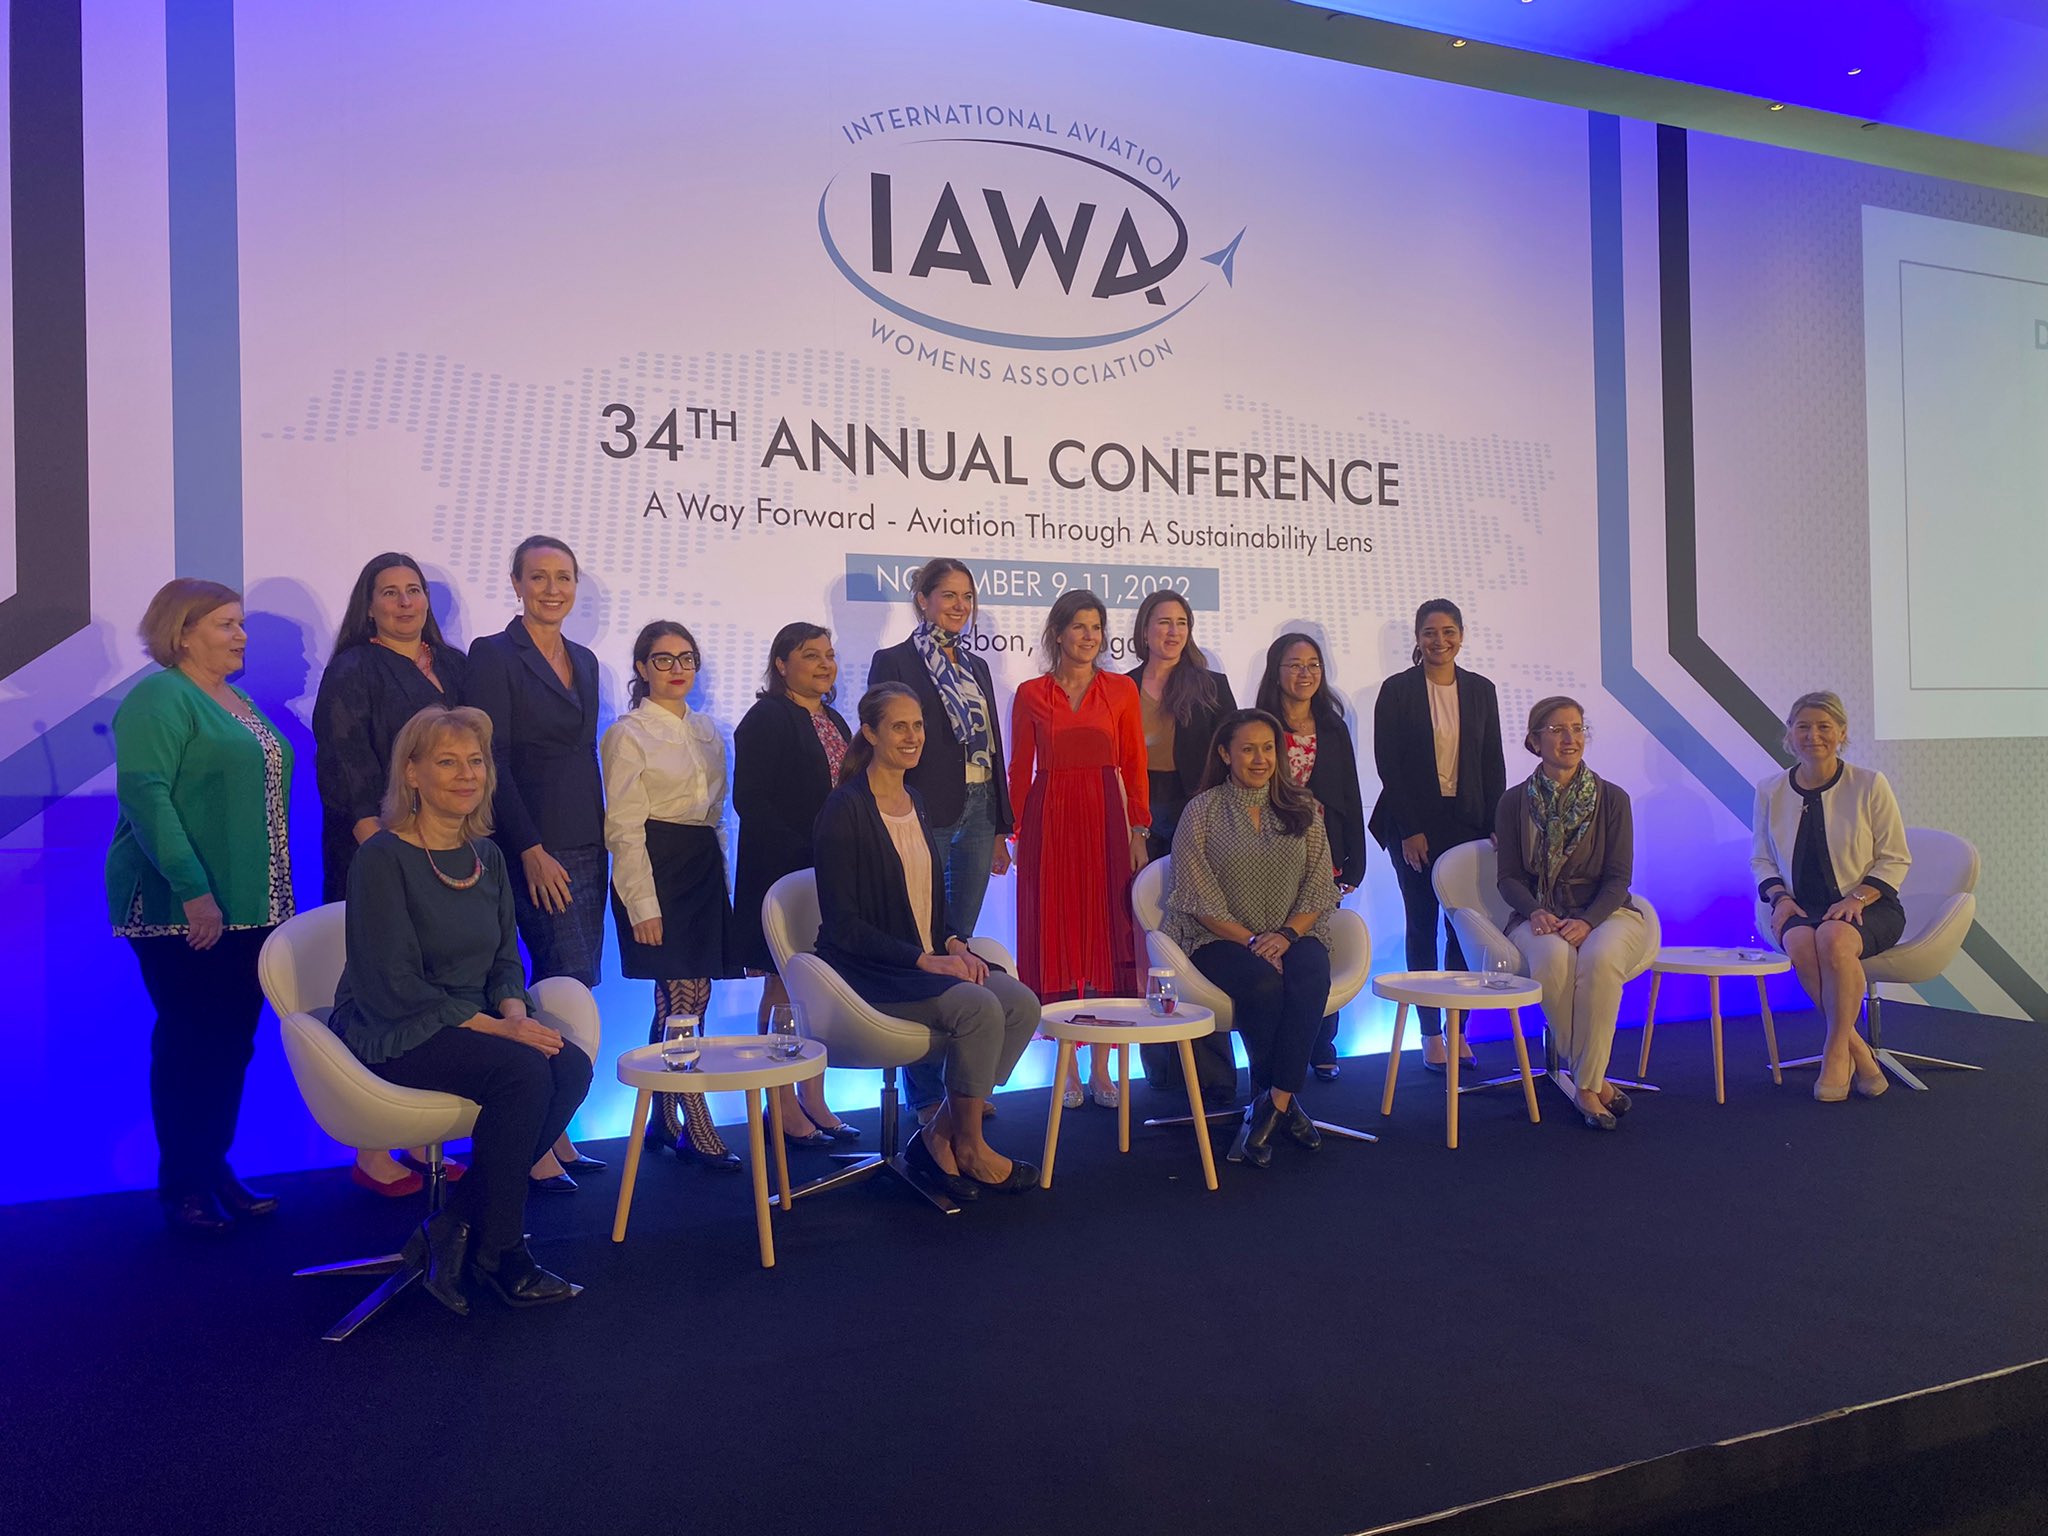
point(188, 777)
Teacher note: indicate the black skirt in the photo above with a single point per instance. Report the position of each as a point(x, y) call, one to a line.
point(1884, 922)
point(696, 915)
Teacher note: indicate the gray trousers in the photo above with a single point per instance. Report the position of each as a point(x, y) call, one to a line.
point(978, 1032)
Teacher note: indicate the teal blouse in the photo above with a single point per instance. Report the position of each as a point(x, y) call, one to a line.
point(422, 955)
point(202, 798)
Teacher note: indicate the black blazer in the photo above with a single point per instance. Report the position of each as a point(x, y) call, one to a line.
point(940, 776)
point(780, 780)
point(1334, 781)
point(366, 695)
point(543, 740)
point(866, 930)
point(1191, 741)
point(1404, 749)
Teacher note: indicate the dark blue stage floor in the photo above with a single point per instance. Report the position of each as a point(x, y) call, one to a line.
point(1353, 1338)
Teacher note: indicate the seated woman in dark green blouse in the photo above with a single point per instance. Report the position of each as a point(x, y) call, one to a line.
point(433, 997)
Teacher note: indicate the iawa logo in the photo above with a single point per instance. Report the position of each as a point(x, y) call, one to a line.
point(1046, 238)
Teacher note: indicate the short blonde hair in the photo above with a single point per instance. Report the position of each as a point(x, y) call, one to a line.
point(1829, 704)
point(419, 736)
point(1542, 711)
point(179, 603)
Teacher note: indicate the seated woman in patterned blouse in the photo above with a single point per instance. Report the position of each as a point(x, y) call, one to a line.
point(1251, 901)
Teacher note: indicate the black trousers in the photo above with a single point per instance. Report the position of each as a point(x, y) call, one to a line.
point(525, 1100)
point(1425, 917)
point(1279, 1013)
point(207, 1004)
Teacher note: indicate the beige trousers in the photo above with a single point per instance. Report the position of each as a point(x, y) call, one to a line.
point(1582, 988)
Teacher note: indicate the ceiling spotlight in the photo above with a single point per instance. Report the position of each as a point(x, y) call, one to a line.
point(1857, 70)
point(1868, 126)
point(1777, 106)
point(1457, 42)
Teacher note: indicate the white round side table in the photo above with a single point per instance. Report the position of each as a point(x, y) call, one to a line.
point(1457, 993)
point(1124, 1022)
point(1693, 960)
point(729, 1063)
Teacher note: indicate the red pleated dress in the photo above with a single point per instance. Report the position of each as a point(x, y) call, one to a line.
point(1073, 773)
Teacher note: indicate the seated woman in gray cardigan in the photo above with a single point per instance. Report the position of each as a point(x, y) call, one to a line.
point(1567, 853)
point(1828, 851)
point(433, 996)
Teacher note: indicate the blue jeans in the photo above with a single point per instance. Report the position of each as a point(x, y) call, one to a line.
point(969, 849)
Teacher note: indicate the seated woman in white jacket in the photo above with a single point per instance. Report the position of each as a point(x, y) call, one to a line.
point(1829, 853)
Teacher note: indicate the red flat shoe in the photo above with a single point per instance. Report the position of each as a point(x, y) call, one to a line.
point(450, 1169)
point(397, 1189)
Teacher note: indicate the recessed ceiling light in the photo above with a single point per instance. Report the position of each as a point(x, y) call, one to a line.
point(1777, 106)
point(1457, 42)
point(1857, 70)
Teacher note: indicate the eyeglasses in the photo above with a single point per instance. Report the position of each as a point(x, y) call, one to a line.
point(673, 661)
point(1305, 668)
point(1563, 732)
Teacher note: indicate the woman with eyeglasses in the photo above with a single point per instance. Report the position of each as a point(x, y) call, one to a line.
point(664, 793)
point(1567, 854)
point(1436, 741)
point(1317, 755)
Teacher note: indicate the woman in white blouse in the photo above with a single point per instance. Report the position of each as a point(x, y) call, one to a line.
point(1829, 852)
point(664, 790)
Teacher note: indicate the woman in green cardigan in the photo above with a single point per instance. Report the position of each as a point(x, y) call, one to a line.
point(198, 875)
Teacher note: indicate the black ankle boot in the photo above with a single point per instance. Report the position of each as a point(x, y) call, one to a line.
point(440, 1247)
point(517, 1281)
point(1254, 1142)
point(1300, 1127)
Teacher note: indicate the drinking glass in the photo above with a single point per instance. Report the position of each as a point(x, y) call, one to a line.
point(682, 1041)
point(785, 1031)
point(1500, 974)
point(1162, 994)
point(1755, 949)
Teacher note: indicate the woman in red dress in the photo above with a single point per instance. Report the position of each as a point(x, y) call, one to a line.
point(1077, 777)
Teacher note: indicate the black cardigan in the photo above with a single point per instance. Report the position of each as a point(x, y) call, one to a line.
point(1404, 749)
point(866, 930)
point(1191, 741)
point(366, 695)
point(940, 776)
point(543, 741)
point(1334, 781)
point(780, 780)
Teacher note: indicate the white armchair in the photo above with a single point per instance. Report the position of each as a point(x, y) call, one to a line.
point(853, 1032)
point(298, 968)
point(1939, 896)
point(1467, 882)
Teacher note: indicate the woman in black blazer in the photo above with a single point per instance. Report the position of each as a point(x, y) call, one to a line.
point(1181, 700)
point(1436, 741)
point(389, 663)
point(786, 753)
point(540, 689)
point(1318, 755)
point(960, 776)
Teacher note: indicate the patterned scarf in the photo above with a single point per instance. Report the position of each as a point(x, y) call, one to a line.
point(1562, 813)
point(966, 706)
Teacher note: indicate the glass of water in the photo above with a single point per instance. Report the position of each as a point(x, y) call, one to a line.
point(1500, 974)
point(682, 1041)
point(1162, 994)
point(1755, 950)
point(785, 1039)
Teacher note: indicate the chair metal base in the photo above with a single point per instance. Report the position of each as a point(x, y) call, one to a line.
point(1892, 1061)
point(859, 1167)
point(400, 1274)
point(1344, 1132)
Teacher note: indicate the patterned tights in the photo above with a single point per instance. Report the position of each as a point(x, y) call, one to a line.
point(683, 1114)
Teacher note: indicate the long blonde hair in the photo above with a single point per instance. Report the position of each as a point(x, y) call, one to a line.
point(418, 737)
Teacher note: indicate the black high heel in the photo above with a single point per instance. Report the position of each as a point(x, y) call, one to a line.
point(700, 1141)
point(517, 1281)
point(1302, 1129)
point(439, 1246)
point(1254, 1142)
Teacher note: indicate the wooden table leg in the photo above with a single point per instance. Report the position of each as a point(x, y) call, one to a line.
point(1454, 1047)
point(774, 1100)
point(1187, 1071)
point(757, 1164)
point(1714, 1018)
point(1770, 1033)
point(1649, 1024)
point(1394, 1058)
point(632, 1172)
point(1123, 1098)
point(1522, 1061)
point(1052, 1119)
